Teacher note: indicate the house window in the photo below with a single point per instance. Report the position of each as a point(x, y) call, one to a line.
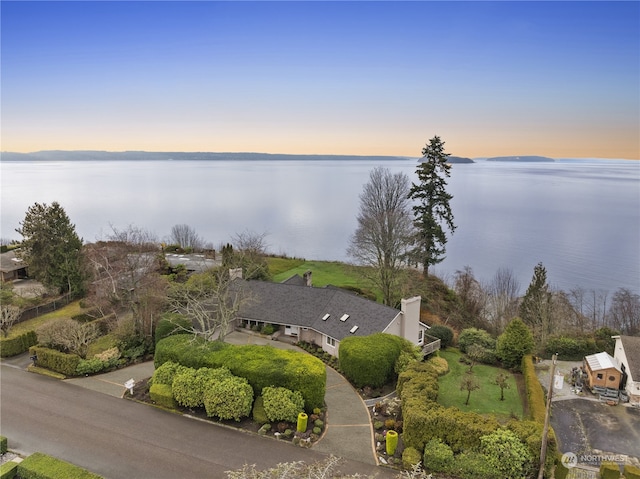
point(331, 341)
point(599, 376)
point(421, 336)
point(612, 378)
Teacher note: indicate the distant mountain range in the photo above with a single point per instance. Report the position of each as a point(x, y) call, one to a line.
point(95, 155)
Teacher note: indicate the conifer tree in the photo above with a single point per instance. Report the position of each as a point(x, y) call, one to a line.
point(432, 212)
point(536, 306)
point(52, 248)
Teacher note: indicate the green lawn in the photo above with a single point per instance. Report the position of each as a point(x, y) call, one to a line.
point(67, 312)
point(324, 273)
point(485, 400)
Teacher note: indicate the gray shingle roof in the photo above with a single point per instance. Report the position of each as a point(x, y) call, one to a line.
point(631, 346)
point(9, 261)
point(304, 306)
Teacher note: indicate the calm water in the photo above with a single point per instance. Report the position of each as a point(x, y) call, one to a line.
point(580, 218)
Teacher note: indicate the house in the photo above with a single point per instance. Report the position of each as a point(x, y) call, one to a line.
point(12, 267)
point(325, 316)
point(627, 353)
point(603, 371)
point(193, 263)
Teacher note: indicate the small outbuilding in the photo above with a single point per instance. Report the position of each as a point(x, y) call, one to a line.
point(12, 267)
point(603, 371)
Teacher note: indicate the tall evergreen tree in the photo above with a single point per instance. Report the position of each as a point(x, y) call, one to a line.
point(52, 249)
point(536, 306)
point(514, 343)
point(432, 211)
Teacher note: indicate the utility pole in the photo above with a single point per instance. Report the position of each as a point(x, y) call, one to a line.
point(545, 431)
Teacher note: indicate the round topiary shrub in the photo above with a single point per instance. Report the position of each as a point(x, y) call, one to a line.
point(230, 398)
point(282, 404)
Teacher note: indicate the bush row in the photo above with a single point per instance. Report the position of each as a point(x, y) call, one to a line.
point(535, 394)
point(262, 366)
point(63, 363)
point(570, 348)
point(17, 344)
point(3, 445)
point(42, 466)
point(8, 470)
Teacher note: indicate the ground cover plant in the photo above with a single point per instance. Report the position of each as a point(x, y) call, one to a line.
point(486, 400)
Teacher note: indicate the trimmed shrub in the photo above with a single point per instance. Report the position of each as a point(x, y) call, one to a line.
point(166, 373)
point(570, 348)
point(410, 457)
point(42, 466)
point(170, 324)
point(55, 360)
point(230, 398)
point(161, 394)
point(258, 413)
point(437, 456)
point(3, 445)
point(262, 366)
point(282, 404)
point(189, 385)
point(470, 336)
point(514, 343)
point(17, 344)
point(535, 394)
point(472, 465)
point(530, 434)
point(89, 366)
point(369, 360)
point(443, 333)
point(631, 472)
point(609, 470)
point(8, 470)
point(506, 454)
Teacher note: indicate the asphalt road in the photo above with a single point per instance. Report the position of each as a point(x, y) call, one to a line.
point(119, 439)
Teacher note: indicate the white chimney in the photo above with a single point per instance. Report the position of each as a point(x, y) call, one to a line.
point(411, 318)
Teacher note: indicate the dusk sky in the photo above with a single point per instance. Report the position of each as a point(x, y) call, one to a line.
point(560, 79)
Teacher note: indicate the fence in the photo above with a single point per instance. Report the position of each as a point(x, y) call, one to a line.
point(36, 311)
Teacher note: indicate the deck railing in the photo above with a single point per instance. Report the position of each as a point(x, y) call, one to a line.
point(432, 346)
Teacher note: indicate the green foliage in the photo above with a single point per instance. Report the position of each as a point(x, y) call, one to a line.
point(369, 360)
point(52, 248)
point(92, 366)
point(609, 470)
point(419, 381)
point(515, 342)
point(535, 394)
point(560, 471)
point(258, 414)
point(443, 333)
point(63, 363)
point(17, 344)
point(437, 456)
point(165, 373)
point(536, 306)
point(571, 348)
point(3, 444)
point(161, 394)
point(473, 465)
point(506, 454)
point(230, 398)
point(262, 366)
point(631, 472)
point(432, 208)
point(8, 470)
point(530, 434)
point(470, 336)
point(42, 466)
point(391, 442)
point(604, 340)
point(189, 385)
point(268, 329)
point(410, 457)
point(169, 324)
point(282, 404)
point(406, 358)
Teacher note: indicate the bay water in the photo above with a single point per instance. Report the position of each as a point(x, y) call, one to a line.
point(580, 218)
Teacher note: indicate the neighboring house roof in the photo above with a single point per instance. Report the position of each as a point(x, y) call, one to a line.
point(293, 304)
point(192, 262)
point(602, 361)
point(9, 262)
point(631, 345)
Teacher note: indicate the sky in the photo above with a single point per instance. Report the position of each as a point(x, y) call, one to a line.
point(559, 79)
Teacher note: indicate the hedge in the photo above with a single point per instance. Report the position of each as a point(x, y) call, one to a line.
point(258, 414)
point(609, 470)
point(262, 366)
point(8, 470)
point(170, 324)
point(3, 445)
point(42, 466)
point(165, 373)
point(282, 404)
point(570, 348)
point(231, 398)
point(535, 394)
point(369, 360)
point(63, 363)
point(17, 344)
point(161, 394)
point(410, 457)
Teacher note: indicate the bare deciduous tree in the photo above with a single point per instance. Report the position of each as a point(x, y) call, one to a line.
point(385, 230)
point(248, 252)
point(185, 236)
point(472, 296)
point(502, 299)
point(9, 314)
point(68, 335)
point(624, 313)
point(469, 383)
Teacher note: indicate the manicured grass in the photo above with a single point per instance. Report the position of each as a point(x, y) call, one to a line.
point(324, 273)
point(278, 266)
point(485, 400)
point(101, 344)
point(70, 310)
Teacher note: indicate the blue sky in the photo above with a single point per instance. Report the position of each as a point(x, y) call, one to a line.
point(374, 78)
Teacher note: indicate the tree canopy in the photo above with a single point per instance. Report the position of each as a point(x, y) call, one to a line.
point(514, 343)
point(51, 247)
point(432, 211)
